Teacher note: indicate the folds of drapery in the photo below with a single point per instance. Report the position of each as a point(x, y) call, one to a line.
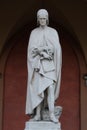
point(39, 81)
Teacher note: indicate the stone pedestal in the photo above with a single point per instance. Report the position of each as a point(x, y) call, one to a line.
point(42, 125)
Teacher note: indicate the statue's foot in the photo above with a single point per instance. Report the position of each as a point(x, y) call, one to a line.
point(36, 118)
point(53, 118)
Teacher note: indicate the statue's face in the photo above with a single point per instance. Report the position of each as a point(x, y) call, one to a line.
point(42, 20)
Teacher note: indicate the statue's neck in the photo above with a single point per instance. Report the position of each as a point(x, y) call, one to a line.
point(43, 27)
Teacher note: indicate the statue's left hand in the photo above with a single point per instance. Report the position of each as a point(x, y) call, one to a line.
point(45, 56)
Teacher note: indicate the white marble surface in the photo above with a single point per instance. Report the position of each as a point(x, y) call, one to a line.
point(42, 125)
point(44, 75)
point(44, 61)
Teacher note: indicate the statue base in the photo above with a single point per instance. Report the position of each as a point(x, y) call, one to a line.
point(42, 125)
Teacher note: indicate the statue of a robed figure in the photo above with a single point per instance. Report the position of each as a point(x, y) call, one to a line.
point(44, 60)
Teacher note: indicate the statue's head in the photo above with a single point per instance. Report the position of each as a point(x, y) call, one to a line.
point(42, 14)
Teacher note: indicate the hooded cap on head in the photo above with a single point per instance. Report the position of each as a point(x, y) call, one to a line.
point(42, 12)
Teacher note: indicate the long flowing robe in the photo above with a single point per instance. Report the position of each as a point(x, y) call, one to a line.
point(38, 82)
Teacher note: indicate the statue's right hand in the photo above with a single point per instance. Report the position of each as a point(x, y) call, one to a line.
point(35, 52)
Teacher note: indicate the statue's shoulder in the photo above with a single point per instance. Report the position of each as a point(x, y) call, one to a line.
point(33, 33)
point(34, 30)
point(53, 30)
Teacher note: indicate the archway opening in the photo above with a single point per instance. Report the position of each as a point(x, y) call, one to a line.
point(16, 80)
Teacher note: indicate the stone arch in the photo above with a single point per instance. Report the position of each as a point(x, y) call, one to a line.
point(77, 49)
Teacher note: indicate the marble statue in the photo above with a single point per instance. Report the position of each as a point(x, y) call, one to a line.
point(44, 62)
